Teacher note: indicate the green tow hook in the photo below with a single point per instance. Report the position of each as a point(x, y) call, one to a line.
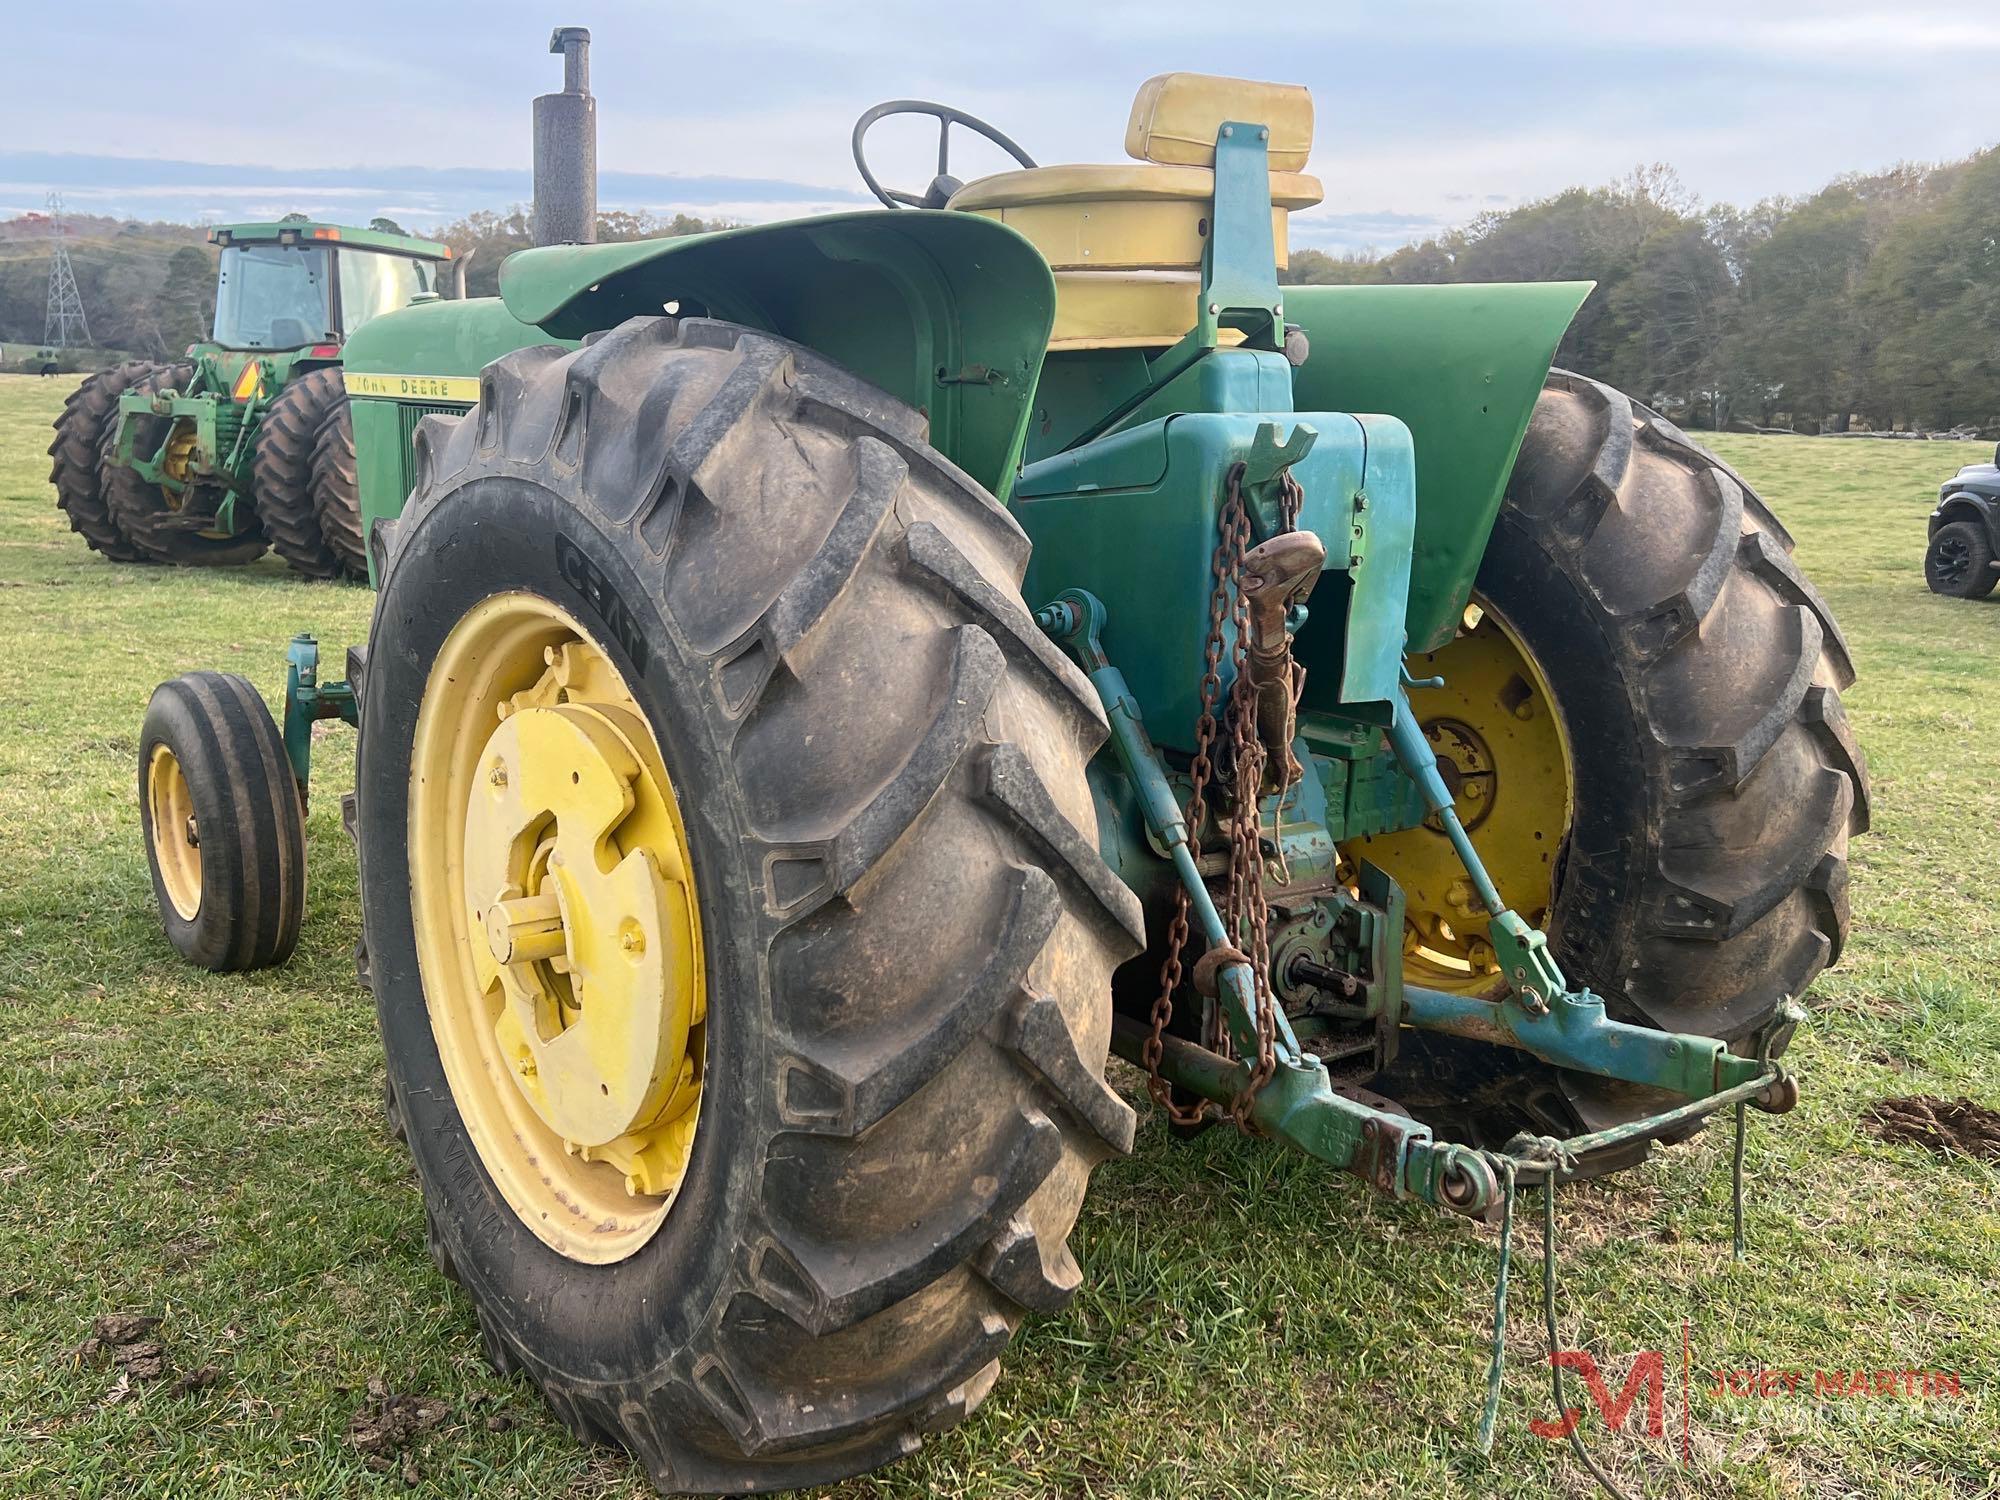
point(1298, 1104)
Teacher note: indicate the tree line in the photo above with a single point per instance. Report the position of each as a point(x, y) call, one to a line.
point(1874, 302)
point(1871, 304)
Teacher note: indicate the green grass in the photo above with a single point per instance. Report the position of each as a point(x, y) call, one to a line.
point(211, 1149)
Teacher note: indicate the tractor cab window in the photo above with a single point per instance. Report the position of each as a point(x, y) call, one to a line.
point(372, 283)
point(272, 297)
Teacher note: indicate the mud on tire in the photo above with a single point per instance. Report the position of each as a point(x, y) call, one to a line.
point(1704, 879)
point(909, 931)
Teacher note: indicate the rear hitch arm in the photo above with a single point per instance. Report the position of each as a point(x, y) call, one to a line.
point(1298, 1105)
point(1541, 1013)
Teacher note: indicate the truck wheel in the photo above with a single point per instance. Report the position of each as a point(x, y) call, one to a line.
point(734, 913)
point(91, 410)
point(1643, 724)
point(282, 471)
point(1959, 562)
point(224, 831)
point(148, 515)
point(336, 494)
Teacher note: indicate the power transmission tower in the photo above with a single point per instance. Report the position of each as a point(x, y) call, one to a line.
point(66, 327)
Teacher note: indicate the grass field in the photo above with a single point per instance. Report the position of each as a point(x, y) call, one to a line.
point(211, 1150)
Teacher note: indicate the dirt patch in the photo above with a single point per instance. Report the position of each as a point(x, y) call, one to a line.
point(387, 1426)
point(1950, 1127)
point(125, 1341)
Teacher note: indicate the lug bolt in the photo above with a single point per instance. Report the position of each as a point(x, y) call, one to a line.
point(193, 833)
point(497, 776)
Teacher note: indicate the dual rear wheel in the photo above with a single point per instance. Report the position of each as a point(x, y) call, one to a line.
point(303, 489)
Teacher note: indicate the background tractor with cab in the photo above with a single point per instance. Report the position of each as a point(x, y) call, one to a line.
point(834, 682)
point(1963, 558)
point(245, 443)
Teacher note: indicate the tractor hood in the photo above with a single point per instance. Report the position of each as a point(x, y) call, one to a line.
point(949, 313)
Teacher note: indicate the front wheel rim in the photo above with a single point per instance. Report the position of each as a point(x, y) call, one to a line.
point(558, 934)
point(176, 833)
point(1954, 561)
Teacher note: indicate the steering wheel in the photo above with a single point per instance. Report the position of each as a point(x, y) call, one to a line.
point(944, 184)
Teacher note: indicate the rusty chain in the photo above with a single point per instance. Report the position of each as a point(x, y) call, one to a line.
point(1244, 912)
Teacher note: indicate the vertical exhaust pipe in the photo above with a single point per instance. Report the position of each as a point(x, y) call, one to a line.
point(566, 148)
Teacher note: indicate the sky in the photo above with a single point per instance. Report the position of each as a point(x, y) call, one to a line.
point(1426, 114)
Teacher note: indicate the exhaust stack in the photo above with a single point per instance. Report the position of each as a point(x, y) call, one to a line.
point(566, 148)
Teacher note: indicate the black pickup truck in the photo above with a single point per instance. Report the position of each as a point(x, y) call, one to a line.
point(1963, 559)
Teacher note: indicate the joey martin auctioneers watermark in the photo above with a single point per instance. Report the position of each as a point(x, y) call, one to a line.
point(1651, 1375)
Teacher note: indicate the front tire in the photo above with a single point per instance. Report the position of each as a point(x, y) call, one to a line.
point(1959, 562)
point(1701, 881)
point(224, 829)
point(907, 931)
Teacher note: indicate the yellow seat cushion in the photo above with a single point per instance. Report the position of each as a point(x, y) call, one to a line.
point(1126, 241)
point(1131, 216)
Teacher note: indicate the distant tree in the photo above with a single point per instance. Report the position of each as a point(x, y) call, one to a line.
point(1801, 337)
point(490, 238)
point(383, 225)
point(186, 304)
point(1933, 290)
point(1318, 268)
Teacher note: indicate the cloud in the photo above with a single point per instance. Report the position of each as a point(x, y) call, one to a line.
point(1423, 111)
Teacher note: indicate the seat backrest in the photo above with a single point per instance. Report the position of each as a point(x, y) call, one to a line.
point(1126, 240)
point(1176, 117)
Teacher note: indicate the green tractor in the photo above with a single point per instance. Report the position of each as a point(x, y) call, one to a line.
point(833, 682)
point(245, 443)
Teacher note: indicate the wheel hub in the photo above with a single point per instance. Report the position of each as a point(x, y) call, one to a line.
point(177, 461)
point(590, 951)
point(1954, 561)
point(1501, 749)
point(558, 928)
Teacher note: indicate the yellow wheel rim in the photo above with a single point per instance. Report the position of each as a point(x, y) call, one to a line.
point(176, 836)
point(177, 457)
point(558, 934)
point(1501, 744)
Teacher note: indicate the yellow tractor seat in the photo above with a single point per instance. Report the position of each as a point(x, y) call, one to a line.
point(1125, 240)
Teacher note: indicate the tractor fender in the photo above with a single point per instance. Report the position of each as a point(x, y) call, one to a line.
point(1462, 367)
point(1966, 505)
point(949, 313)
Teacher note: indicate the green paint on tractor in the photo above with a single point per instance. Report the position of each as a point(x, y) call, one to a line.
point(1417, 755)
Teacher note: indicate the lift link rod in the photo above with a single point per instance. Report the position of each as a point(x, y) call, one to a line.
point(1540, 1013)
point(1298, 1105)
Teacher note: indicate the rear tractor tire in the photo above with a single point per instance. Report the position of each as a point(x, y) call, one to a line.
point(759, 663)
point(283, 471)
point(146, 514)
point(224, 830)
point(336, 492)
point(1644, 712)
point(87, 417)
point(1959, 562)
